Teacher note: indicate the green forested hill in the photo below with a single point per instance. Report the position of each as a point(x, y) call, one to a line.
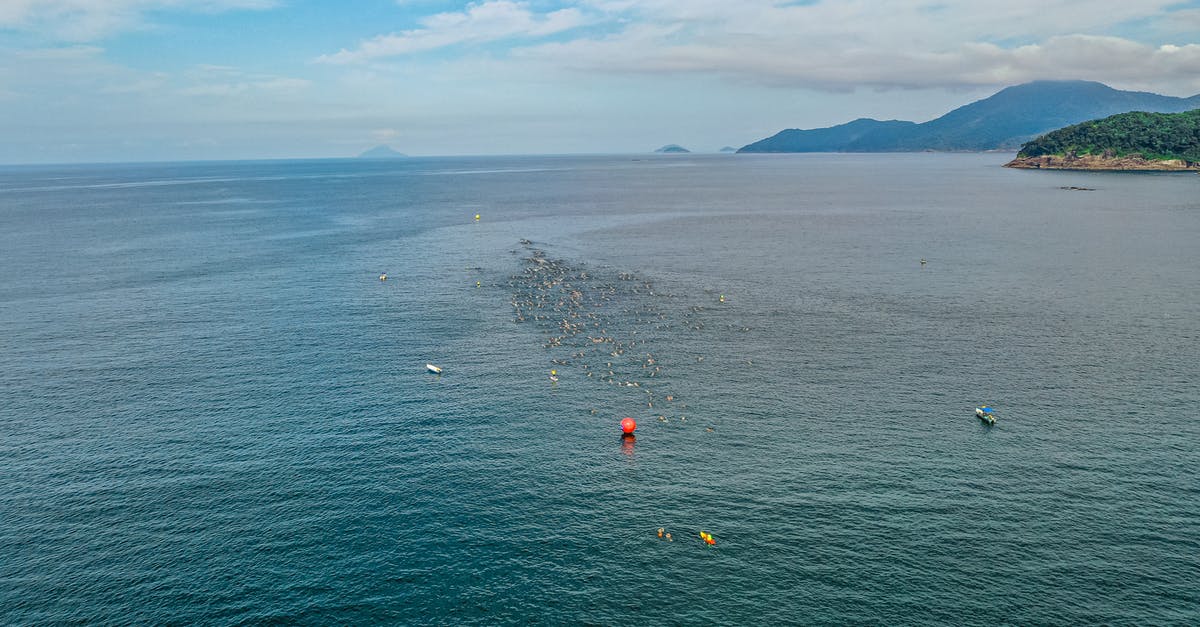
point(1154, 136)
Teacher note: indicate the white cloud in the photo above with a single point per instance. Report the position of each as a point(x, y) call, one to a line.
point(1183, 21)
point(147, 84)
point(77, 84)
point(911, 44)
point(67, 53)
point(245, 87)
point(828, 44)
point(1129, 64)
point(224, 82)
point(384, 134)
point(483, 22)
point(89, 20)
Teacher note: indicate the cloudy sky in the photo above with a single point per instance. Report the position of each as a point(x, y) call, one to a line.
point(132, 80)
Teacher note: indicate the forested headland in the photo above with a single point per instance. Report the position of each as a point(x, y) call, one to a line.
point(1127, 141)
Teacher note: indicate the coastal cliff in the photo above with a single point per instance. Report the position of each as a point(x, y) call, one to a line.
point(1101, 162)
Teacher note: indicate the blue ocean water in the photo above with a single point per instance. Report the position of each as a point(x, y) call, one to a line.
point(212, 411)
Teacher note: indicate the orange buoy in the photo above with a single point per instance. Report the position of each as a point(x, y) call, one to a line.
point(628, 425)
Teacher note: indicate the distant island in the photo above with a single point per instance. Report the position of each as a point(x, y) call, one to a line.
point(728, 149)
point(672, 148)
point(1127, 141)
point(382, 152)
point(1003, 121)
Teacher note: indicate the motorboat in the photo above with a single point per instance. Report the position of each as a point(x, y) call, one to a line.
point(434, 369)
point(985, 414)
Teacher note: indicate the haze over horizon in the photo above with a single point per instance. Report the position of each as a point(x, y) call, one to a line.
point(145, 80)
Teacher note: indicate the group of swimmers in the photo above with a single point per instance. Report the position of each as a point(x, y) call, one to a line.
point(602, 325)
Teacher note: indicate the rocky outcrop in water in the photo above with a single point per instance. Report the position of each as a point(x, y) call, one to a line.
point(1101, 162)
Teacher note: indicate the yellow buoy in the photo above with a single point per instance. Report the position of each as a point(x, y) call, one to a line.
point(477, 217)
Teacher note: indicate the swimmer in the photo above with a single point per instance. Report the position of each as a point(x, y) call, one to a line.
point(660, 532)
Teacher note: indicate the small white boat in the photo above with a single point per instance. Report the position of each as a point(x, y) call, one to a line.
point(434, 369)
point(985, 414)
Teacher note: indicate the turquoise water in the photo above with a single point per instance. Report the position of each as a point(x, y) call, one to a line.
point(212, 410)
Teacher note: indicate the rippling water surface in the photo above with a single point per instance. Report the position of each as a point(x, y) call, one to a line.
point(213, 411)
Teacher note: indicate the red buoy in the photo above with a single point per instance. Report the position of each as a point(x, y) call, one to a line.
point(628, 425)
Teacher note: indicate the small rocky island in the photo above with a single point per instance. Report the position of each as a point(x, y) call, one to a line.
point(382, 152)
point(673, 148)
point(1136, 141)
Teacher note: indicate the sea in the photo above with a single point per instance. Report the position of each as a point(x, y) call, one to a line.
point(215, 411)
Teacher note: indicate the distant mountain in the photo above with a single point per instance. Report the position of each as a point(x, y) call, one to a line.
point(382, 152)
point(728, 149)
point(672, 148)
point(1004, 120)
point(1126, 141)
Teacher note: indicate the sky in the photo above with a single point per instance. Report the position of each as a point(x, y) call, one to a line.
point(151, 80)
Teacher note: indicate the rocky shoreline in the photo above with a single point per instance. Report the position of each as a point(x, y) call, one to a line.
point(1100, 162)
